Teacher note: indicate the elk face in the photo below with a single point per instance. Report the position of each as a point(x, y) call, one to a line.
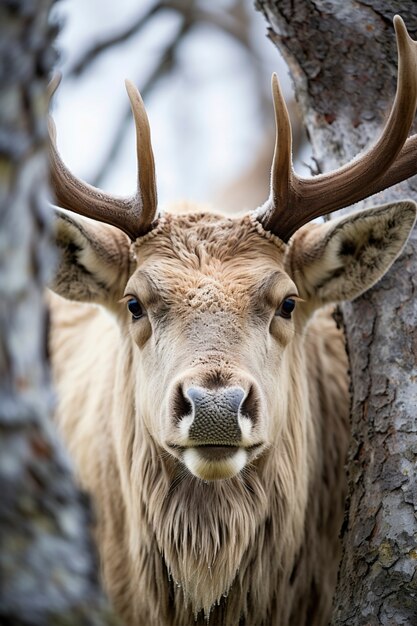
point(211, 315)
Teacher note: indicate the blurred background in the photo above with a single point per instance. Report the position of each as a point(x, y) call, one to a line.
point(203, 69)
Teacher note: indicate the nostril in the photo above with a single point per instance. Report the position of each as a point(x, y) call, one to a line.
point(234, 397)
point(250, 406)
point(195, 396)
point(181, 405)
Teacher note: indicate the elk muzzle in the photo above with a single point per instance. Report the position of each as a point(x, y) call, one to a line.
point(215, 426)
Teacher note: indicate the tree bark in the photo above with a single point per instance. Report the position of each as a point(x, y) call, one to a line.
point(48, 570)
point(342, 57)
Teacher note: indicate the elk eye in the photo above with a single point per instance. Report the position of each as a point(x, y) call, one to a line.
point(135, 308)
point(286, 308)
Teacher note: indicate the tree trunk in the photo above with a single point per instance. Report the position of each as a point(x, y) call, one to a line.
point(342, 56)
point(47, 562)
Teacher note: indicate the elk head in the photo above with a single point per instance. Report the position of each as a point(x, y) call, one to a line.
point(216, 307)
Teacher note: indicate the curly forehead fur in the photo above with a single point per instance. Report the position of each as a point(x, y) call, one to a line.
point(194, 238)
point(216, 256)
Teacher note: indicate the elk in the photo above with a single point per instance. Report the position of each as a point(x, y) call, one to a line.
point(202, 378)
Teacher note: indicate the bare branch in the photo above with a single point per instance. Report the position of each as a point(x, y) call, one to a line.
point(165, 64)
point(123, 35)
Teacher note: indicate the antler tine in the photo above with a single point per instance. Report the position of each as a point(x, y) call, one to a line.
point(133, 215)
point(294, 200)
point(282, 173)
point(53, 85)
point(146, 169)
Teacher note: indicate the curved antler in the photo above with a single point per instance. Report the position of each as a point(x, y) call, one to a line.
point(132, 215)
point(294, 200)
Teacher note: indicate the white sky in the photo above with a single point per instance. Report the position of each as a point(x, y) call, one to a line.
point(205, 118)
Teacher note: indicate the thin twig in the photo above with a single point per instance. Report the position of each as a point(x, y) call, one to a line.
point(165, 64)
point(101, 46)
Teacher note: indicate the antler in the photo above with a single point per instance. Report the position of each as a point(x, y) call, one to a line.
point(132, 215)
point(294, 201)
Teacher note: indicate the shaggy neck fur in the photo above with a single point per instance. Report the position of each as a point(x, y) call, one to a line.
point(217, 549)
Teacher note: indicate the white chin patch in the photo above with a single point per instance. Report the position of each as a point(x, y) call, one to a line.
point(216, 469)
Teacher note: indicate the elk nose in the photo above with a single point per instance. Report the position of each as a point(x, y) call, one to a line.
point(215, 414)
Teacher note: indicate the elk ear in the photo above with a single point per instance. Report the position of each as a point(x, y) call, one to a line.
point(340, 259)
point(94, 260)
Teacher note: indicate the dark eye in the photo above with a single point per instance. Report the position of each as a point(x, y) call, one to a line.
point(286, 308)
point(135, 308)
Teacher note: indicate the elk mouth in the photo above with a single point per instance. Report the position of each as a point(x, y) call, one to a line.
point(214, 452)
point(215, 461)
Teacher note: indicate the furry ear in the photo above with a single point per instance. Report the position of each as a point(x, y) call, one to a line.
point(340, 259)
point(95, 260)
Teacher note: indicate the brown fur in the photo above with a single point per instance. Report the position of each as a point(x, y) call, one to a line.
point(260, 548)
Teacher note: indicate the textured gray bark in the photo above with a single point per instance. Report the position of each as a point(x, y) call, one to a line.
point(48, 570)
point(342, 58)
